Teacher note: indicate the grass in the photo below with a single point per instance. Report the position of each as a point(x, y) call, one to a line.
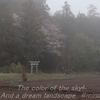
point(43, 76)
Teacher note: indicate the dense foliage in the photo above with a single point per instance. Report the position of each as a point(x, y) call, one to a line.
point(62, 42)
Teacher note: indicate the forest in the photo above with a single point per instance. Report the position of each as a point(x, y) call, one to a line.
point(62, 42)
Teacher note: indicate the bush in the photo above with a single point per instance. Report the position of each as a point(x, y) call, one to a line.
point(24, 77)
point(12, 68)
point(5, 69)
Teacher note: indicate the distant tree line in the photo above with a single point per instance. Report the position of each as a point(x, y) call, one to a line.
point(62, 42)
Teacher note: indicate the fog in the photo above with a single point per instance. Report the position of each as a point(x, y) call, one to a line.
point(62, 42)
point(76, 5)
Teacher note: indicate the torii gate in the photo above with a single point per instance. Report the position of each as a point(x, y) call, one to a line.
point(34, 64)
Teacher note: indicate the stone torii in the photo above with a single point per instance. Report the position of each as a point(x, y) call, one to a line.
point(34, 64)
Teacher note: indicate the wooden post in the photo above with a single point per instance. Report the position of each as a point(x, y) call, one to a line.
point(36, 69)
point(31, 69)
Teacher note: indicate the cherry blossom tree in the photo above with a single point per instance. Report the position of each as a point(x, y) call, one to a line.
point(53, 36)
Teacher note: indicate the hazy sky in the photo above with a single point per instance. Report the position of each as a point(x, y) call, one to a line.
point(76, 5)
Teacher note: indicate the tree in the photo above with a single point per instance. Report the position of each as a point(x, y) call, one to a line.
point(9, 40)
point(84, 53)
point(92, 11)
point(53, 36)
point(33, 38)
point(66, 20)
point(42, 8)
point(66, 10)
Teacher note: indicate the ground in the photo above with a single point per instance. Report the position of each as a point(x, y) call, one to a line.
point(79, 88)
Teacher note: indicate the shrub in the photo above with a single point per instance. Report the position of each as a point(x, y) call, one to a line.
point(12, 68)
point(5, 69)
point(24, 77)
point(16, 68)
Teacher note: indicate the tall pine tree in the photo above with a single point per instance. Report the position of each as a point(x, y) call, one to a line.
point(33, 38)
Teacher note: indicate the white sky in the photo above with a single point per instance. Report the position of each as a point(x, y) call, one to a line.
point(76, 5)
